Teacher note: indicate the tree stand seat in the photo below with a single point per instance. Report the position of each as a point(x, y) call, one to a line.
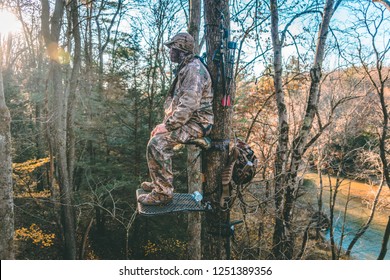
point(182, 202)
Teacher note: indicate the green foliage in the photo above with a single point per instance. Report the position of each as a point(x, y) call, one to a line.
point(22, 112)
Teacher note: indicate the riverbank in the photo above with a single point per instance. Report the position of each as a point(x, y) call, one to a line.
point(358, 189)
point(357, 197)
point(359, 192)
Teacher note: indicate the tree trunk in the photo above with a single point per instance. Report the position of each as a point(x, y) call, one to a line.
point(73, 85)
point(194, 26)
point(193, 154)
point(285, 185)
point(89, 76)
point(280, 235)
point(214, 227)
point(6, 192)
point(51, 30)
point(385, 240)
point(194, 219)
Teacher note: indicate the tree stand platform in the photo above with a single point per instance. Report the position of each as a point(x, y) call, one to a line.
point(182, 202)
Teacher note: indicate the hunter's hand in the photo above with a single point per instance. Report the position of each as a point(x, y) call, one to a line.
point(159, 129)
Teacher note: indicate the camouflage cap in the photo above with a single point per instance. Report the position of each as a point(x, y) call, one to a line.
point(182, 41)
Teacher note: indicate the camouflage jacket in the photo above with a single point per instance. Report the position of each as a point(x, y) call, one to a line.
point(190, 99)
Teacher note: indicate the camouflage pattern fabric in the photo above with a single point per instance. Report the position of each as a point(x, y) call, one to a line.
point(191, 98)
point(160, 153)
point(188, 112)
point(182, 41)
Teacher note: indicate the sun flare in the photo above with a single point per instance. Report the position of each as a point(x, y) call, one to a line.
point(8, 22)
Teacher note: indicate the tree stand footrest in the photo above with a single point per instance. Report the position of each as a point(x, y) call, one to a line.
point(182, 202)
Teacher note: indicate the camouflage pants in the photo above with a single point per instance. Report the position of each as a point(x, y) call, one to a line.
point(160, 152)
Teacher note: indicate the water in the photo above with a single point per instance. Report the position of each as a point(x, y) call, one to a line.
point(368, 246)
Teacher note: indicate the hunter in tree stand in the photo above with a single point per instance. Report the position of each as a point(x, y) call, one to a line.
point(188, 116)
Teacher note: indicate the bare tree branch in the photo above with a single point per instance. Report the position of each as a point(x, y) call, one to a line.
point(257, 115)
point(386, 3)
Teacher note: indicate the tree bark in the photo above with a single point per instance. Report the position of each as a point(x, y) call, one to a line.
point(73, 86)
point(280, 235)
point(194, 219)
point(194, 26)
point(385, 240)
point(194, 154)
point(286, 182)
point(6, 192)
point(214, 227)
point(51, 28)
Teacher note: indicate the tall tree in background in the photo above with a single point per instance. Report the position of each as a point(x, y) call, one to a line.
point(379, 76)
point(6, 196)
point(58, 112)
point(194, 24)
point(287, 164)
point(72, 87)
point(214, 228)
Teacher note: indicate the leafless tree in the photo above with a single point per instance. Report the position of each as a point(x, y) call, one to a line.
point(378, 75)
point(286, 169)
point(62, 115)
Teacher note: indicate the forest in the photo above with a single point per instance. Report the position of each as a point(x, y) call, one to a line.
point(83, 83)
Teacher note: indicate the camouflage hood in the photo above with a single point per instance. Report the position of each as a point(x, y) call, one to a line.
point(182, 41)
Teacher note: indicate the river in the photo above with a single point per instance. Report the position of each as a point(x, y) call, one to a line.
point(359, 208)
